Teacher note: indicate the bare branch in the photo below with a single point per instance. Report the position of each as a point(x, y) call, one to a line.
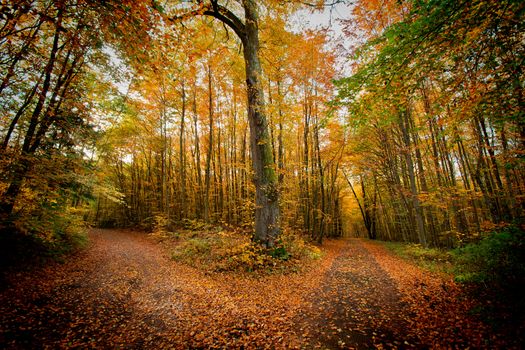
point(317, 5)
point(217, 11)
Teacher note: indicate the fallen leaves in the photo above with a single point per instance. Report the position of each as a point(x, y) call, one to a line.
point(125, 291)
point(438, 312)
point(358, 304)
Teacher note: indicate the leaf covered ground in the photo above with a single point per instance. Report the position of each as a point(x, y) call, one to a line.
point(125, 290)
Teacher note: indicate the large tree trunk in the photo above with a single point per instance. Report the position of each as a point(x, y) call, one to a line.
point(267, 226)
point(207, 174)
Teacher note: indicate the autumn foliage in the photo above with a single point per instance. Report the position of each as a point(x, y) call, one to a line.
point(221, 146)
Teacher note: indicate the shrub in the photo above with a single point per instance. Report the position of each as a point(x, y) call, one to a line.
point(192, 250)
point(245, 257)
point(297, 248)
point(162, 228)
point(234, 251)
point(494, 269)
point(195, 224)
point(498, 258)
point(49, 235)
point(279, 252)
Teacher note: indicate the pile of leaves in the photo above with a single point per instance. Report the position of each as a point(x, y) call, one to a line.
point(233, 251)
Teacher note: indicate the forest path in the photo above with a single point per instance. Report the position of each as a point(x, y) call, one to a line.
point(125, 291)
point(358, 305)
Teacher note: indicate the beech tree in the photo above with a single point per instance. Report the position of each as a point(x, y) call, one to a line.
point(208, 128)
point(267, 213)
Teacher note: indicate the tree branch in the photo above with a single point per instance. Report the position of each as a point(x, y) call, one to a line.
point(317, 5)
point(219, 12)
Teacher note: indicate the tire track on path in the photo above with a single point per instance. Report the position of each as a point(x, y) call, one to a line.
point(358, 306)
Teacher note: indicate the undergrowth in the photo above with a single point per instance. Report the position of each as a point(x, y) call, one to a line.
point(29, 242)
point(233, 251)
point(431, 259)
point(498, 258)
point(492, 271)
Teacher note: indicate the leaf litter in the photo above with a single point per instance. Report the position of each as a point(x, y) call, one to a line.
point(125, 291)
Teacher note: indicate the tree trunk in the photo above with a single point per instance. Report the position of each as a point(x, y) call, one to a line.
point(198, 194)
point(267, 226)
point(182, 159)
point(210, 150)
point(418, 213)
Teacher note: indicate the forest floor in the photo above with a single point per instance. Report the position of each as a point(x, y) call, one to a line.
point(124, 291)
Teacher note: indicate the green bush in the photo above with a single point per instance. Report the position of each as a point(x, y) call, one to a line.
point(498, 258)
point(279, 252)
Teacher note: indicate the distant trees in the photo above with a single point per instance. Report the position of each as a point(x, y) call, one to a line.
point(184, 135)
point(438, 101)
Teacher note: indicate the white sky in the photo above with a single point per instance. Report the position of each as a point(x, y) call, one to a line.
point(327, 19)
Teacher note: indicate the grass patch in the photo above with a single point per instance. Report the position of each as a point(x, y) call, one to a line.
point(233, 251)
point(431, 259)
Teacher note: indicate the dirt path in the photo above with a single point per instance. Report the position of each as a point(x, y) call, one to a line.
point(358, 305)
point(124, 291)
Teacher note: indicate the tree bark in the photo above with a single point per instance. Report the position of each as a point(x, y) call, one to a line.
point(182, 159)
point(267, 226)
point(207, 175)
point(198, 194)
point(267, 213)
